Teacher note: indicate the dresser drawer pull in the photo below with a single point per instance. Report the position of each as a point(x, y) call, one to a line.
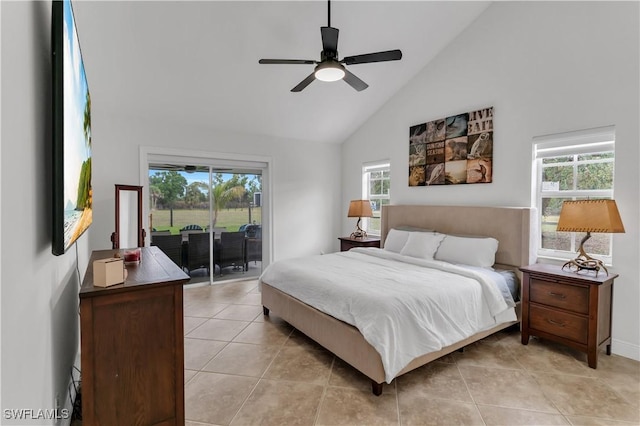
point(558, 295)
point(559, 324)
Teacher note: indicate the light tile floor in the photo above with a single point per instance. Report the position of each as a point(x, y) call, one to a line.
point(242, 368)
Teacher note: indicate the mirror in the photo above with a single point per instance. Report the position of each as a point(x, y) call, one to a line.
point(129, 232)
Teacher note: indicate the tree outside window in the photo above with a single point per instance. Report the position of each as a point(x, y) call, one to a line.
point(376, 179)
point(570, 170)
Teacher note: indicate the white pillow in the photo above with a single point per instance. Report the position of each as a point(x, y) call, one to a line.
point(422, 245)
point(474, 251)
point(395, 240)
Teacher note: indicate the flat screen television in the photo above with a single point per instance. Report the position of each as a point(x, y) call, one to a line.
point(72, 198)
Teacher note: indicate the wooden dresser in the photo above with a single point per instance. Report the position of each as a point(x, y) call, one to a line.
point(132, 344)
point(347, 243)
point(566, 307)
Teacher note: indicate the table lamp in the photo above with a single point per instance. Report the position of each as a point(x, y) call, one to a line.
point(359, 209)
point(589, 216)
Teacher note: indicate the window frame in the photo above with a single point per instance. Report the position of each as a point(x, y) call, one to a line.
point(584, 142)
point(367, 169)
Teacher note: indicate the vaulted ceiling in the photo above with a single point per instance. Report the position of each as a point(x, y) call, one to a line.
point(197, 62)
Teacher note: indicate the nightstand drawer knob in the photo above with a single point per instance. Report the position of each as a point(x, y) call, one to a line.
point(558, 323)
point(558, 295)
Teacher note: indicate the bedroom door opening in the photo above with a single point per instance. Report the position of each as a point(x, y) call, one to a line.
point(208, 217)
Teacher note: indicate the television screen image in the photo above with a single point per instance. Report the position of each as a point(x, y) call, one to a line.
point(72, 197)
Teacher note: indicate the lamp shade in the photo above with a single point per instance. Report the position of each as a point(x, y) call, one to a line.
point(590, 216)
point(360, 208)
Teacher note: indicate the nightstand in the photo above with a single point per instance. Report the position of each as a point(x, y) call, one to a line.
point(569, 308)
point(347, 243)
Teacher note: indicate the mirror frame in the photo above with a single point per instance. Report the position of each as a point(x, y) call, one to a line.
point(115, 236)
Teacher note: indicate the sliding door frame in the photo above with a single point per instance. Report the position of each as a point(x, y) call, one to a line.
point(150, 155)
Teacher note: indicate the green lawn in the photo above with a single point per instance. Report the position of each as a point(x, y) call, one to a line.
point(598, 244)
point(549, 223)
point(231, 219)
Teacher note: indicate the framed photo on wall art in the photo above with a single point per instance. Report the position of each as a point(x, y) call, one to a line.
point(452, 150)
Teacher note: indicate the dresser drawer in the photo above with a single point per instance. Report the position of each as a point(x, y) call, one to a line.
point(569, 297)
point(558, 323)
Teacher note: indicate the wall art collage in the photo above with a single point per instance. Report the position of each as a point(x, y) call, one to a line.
point(453, 150)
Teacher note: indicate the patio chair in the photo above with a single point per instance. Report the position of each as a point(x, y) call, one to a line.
point(191, 228)
point(198, 252)
point(232, 250)
point(253, 231)
point(217, 230)
point(154, 233)
point(171, 245)
point(253, 248)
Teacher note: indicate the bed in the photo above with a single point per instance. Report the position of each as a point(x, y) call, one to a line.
point(511, 226)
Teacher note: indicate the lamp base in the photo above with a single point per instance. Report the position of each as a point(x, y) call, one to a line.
point(359, 233)
point(581, 264)
point(584, 262)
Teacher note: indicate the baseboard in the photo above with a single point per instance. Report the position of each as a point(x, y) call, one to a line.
point(625, 349)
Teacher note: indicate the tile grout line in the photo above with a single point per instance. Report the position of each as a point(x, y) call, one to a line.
point(324, 391)
point(260, 378)
point(200, 370)
point(531, 375)
point(466, 385)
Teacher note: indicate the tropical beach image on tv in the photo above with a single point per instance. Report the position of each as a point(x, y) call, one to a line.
point(72, 157)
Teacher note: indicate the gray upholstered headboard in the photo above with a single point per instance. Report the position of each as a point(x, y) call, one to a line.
point(511, 226)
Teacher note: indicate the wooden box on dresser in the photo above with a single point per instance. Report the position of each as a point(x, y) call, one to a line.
point(132, 344)
point(568, 307)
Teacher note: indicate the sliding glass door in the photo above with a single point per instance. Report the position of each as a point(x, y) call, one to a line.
point(214, 212)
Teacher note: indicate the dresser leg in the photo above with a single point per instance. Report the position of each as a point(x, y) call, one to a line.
point(609, 349)
point(592, 358)
point(524, 338)
point(265, 311)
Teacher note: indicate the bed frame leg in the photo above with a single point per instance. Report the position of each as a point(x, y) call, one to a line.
point(265, 311)
point(376, 388)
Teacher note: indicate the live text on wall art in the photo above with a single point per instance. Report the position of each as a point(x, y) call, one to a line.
point(453, 150)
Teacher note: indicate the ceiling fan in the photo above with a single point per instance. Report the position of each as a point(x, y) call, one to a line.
point(330, 68)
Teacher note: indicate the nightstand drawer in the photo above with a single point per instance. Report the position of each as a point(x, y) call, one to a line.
point(569, 297)
point(569, 308)
point(558, 323)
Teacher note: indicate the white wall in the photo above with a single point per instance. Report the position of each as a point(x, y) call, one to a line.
point(39, 291)
point(545, 67)
point(305, 176)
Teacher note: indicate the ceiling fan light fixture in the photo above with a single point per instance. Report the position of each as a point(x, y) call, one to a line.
point(329, 71)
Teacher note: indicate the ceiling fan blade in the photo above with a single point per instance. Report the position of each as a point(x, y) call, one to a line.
point(389, 55)
point(287, 61)
point(329, 39)
point(354, 81)
point(304, 83)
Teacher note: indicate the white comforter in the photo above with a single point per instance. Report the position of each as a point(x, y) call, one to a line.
point(403, 306)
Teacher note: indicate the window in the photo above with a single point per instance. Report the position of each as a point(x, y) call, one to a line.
point(376, 180)
point(572, 166)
